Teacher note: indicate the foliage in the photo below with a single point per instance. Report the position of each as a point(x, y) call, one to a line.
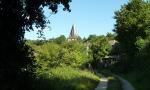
point(75, 53)
point(132, 29)
point(59, 66)
point(66, 78)
point(50, 54)
point(92, 38)
point(59, 40)
point(132, 23)
point(100, 48)
point(47, 55)
point(111, 36)
point(133, 32)
point(16, 61)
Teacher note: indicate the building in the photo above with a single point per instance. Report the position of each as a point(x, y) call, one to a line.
point(73, 34)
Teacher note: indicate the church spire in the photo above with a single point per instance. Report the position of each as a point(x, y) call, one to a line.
point(73, 34)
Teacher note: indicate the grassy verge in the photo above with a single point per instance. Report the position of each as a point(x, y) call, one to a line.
point(66, 78)
point(140, 80)
point(114, 83)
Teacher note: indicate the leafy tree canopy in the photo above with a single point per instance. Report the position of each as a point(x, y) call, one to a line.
point(132, 24)
point(59, 40)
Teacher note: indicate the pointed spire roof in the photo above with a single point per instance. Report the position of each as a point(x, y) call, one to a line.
point(73, 33)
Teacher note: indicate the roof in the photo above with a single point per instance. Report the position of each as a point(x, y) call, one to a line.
point(73, 33)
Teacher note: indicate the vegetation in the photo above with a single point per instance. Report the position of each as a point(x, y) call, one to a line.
point(99, 49)
point(140, 80)
point(132, 28)
point(62, 66)
point(16, 61)
point(66, 78)
point(51, 54)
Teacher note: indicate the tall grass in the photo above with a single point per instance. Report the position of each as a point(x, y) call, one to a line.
point(66, 78)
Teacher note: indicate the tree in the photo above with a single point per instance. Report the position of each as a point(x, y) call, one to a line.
point(74, 54)
point(99, 49)
point(16, 16)
point(51, 55)
point(132, 24)
point(91, 37)
point(61, 39)
point(47, 56)
point(111, 36)
point(133, 29)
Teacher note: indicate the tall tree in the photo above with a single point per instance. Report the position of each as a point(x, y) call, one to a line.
point(132, 24)
point(133, 29)
point(16, 16)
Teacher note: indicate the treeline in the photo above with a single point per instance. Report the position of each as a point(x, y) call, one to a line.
point(79, 53)
point(50, 54)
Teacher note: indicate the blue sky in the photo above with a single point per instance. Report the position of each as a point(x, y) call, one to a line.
point(88, 16)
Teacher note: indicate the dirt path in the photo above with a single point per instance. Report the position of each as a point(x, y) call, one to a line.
point(125, 84)
point(102, 84)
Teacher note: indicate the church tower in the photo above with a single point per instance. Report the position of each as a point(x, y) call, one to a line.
point(73, 34)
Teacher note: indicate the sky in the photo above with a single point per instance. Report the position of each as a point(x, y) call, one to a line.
point(88, 16)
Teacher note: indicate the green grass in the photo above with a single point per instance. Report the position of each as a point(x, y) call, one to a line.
point(66, 78)
point(114, 83)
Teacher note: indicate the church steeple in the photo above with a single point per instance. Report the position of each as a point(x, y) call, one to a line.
point(73, 34)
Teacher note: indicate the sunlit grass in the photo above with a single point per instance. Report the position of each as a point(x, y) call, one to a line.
point(67, 78)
